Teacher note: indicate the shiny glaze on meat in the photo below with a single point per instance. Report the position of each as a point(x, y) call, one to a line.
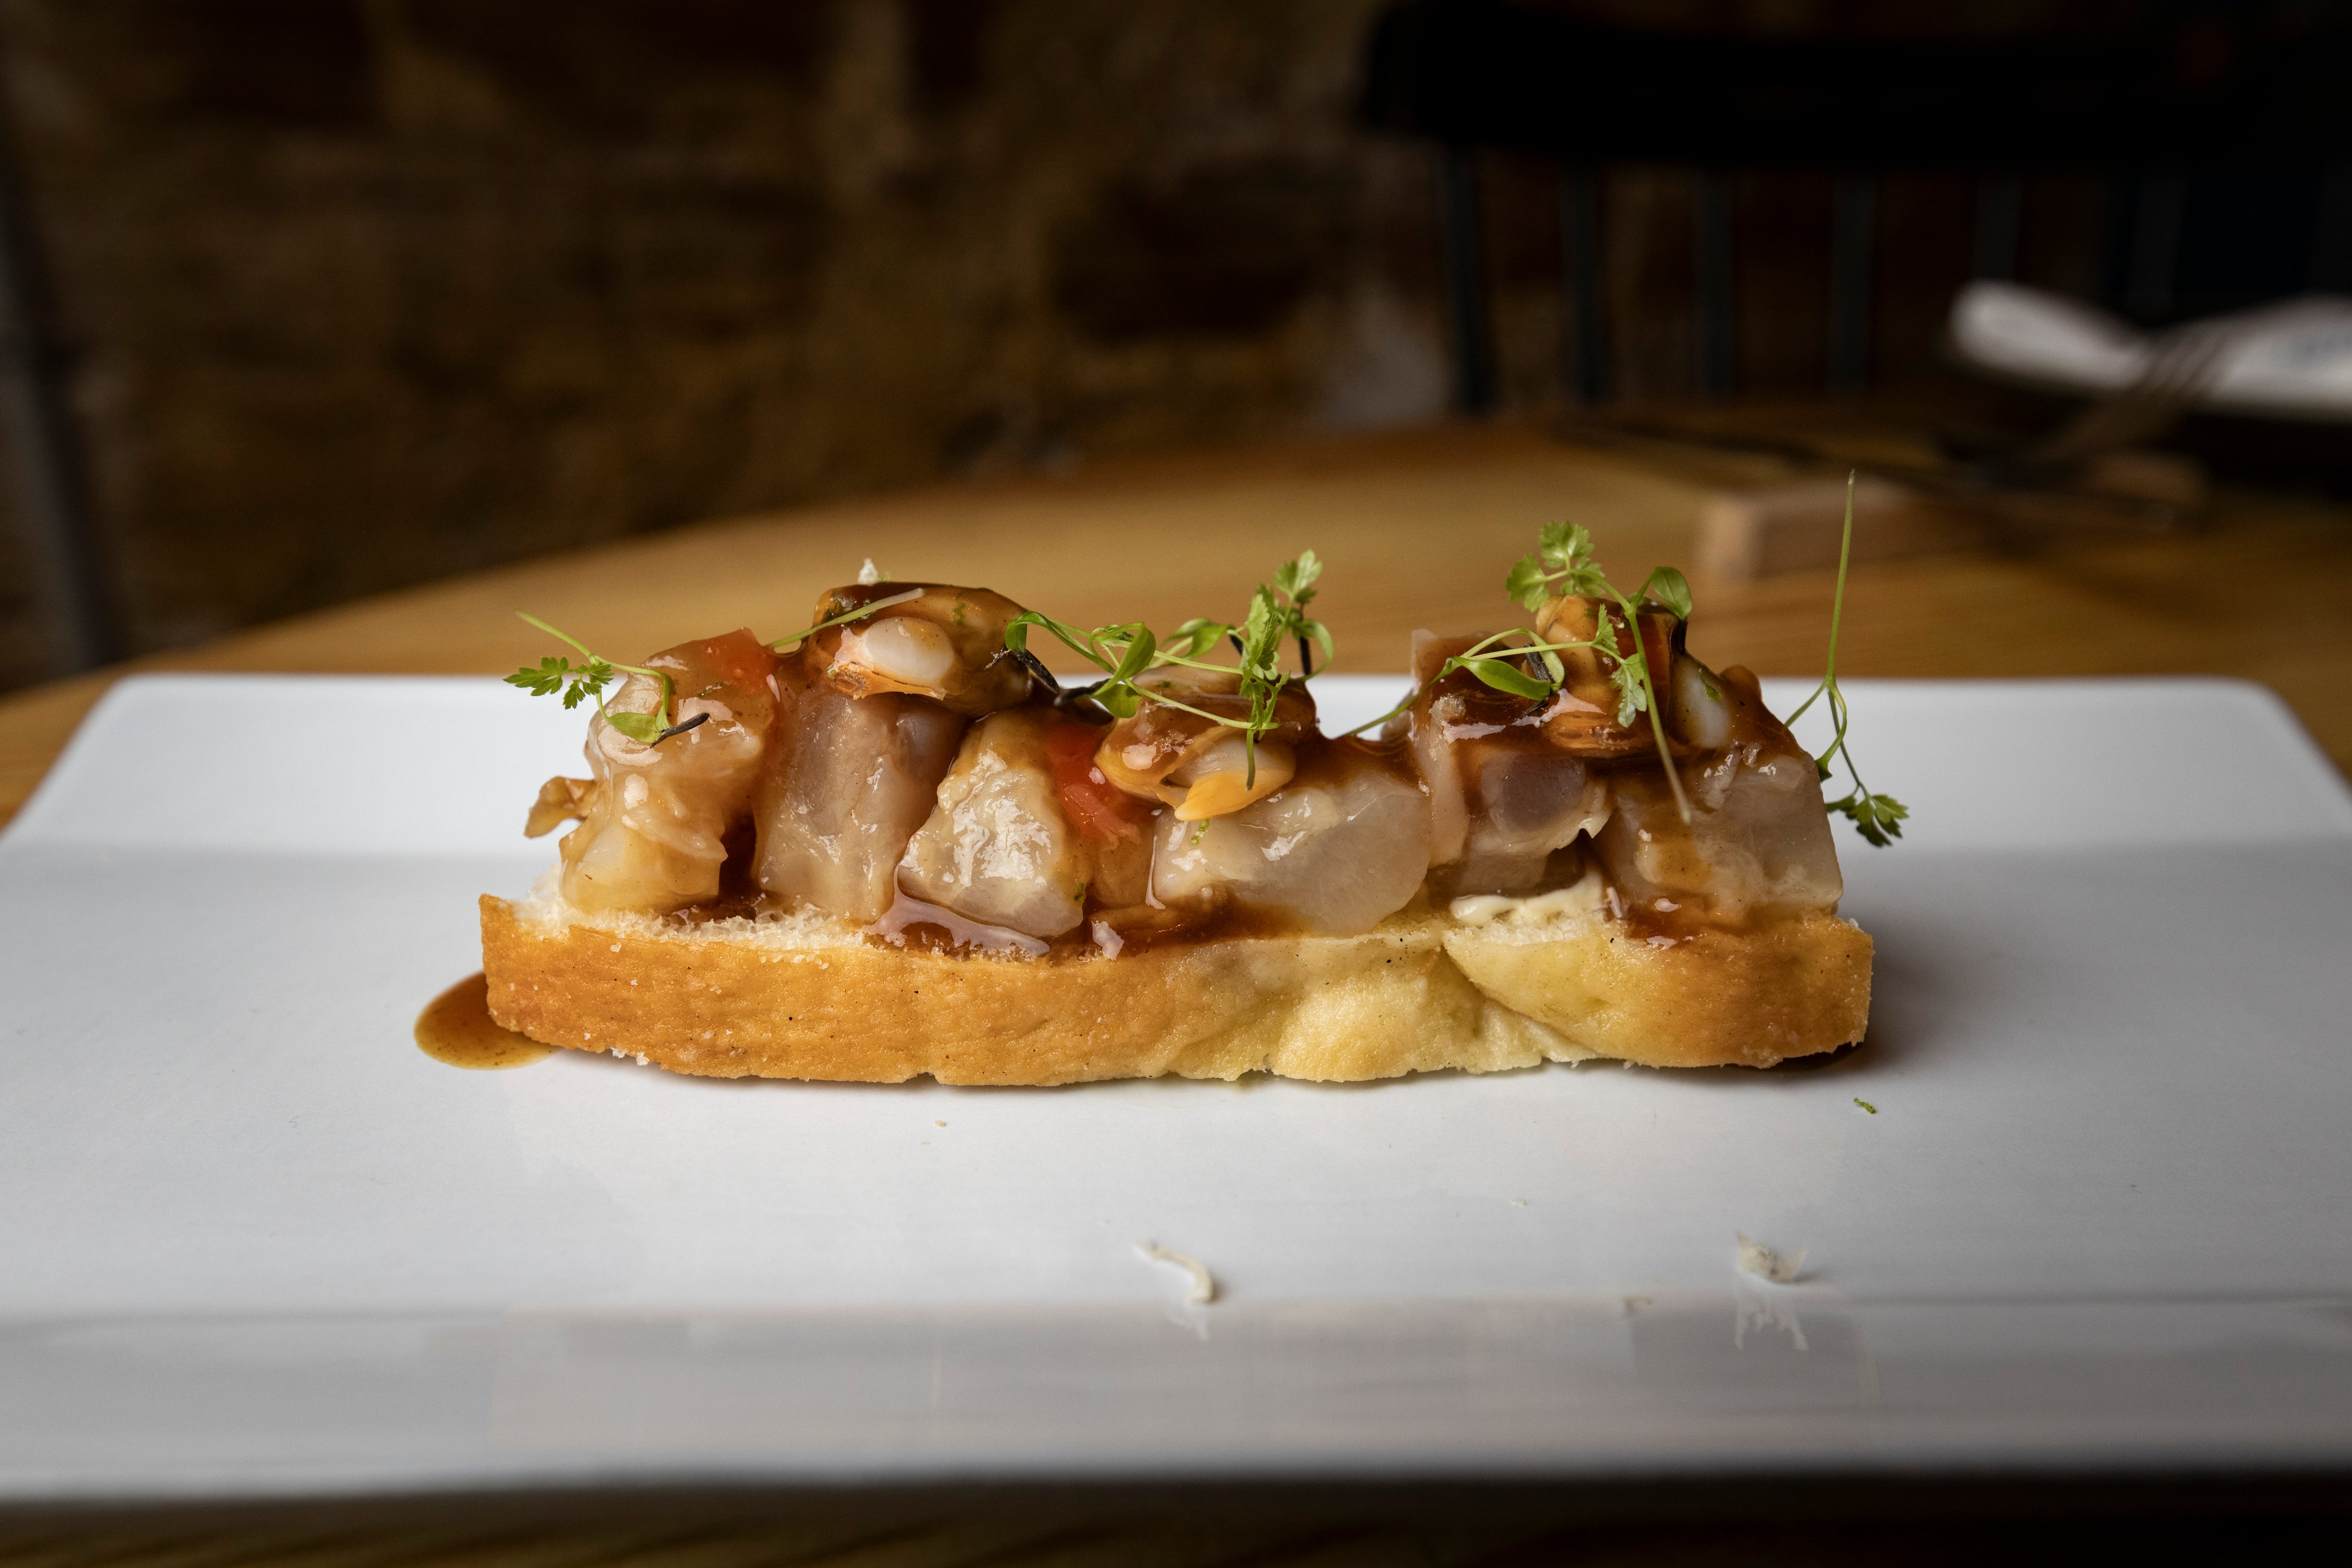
point(846, 782)
point(919, 784)
point(1505, 796)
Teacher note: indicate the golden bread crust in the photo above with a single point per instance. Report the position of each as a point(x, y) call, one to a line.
point(1419, 993)
point(1753, 997)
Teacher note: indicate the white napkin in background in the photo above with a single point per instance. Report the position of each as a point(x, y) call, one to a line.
point(2290, 361)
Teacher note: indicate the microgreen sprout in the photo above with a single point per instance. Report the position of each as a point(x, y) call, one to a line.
point(1877, 817)
point(1278, 616)
point(1522, 665)
point(580, 682)
point(785, 645)
point(1563, 563)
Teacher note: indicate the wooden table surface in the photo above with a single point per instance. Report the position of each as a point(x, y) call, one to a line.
point(1417, 530)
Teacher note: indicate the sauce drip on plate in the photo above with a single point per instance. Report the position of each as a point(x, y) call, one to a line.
point(456, 1028)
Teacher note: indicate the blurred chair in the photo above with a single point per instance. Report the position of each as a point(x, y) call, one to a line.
point(48, 491)
point(2210, 91)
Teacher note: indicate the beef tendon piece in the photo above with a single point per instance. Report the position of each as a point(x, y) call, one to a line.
point(846, 785)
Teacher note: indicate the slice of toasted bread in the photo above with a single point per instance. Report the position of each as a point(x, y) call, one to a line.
point(809, 997)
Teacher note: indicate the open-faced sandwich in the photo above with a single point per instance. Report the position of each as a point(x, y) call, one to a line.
point(894, 844)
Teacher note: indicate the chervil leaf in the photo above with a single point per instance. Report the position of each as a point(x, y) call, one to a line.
point(1261, 633)
point(1527, 584)
point(1669, 587)
point(1562, 567)
point(585, 682)
point(1297, 578)
point(1877, 817)
point(1017, 636)
point(545, 681)
point(588, 683)
point(1276, 619)
point(1632, 699)
point(556, 675)
point(1563, 545)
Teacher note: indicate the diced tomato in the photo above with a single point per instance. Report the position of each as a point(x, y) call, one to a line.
point(1096, 808)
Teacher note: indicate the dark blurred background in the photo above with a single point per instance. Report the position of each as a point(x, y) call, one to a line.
point(334, 295)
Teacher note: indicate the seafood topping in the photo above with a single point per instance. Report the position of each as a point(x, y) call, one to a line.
point(998, 848)
point(946, 644)
point(847, 784)
point(1342, 844)
point(561, 800)
point(1175, 750)
point(1759, 837)
point(1504, 796)
point(1583, 717)
point(907, 769)
point(656, 814)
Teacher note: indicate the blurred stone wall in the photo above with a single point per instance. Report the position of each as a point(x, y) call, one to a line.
point(364, 292)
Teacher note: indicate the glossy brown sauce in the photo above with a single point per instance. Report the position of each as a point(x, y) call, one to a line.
point(1665, 922)
point(456, 1028)
point(1337, 752)
point(1140, 927)
point(910, 923)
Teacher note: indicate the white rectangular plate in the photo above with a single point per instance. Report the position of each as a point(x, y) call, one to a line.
point(253, 1243)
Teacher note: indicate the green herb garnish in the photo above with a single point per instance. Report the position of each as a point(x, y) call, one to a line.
point(1877, 817)
point(1562, 563)
point(1530, 667)
point(580, 682)
point(1125, 654)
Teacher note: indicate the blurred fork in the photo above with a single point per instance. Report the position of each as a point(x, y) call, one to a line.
point(2180, 365)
